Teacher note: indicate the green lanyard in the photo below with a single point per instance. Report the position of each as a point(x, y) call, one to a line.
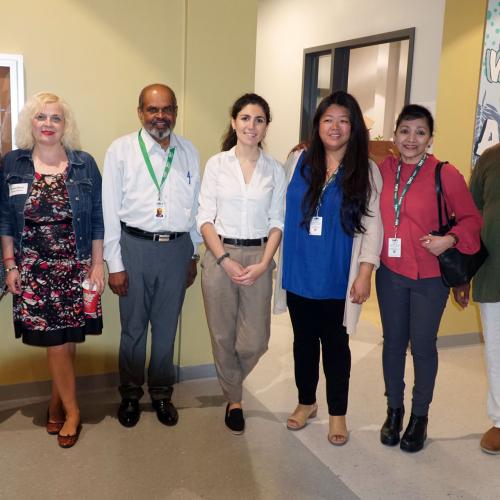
point(399, 201)
point(151, 171)
point(330, 180)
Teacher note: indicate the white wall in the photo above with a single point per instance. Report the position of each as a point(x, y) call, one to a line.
point(286, 27)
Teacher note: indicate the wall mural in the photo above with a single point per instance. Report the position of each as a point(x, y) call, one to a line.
point(486, 133)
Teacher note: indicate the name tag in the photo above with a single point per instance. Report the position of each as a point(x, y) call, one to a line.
point(18, 189)
point(159, 210)
point(394, 247)
point(316, 226)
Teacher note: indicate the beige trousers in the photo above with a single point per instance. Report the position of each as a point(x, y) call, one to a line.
point(239, 318)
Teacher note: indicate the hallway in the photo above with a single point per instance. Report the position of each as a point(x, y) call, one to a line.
point(199, 459)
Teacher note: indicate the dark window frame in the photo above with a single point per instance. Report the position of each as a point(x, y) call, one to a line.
point(340, 69)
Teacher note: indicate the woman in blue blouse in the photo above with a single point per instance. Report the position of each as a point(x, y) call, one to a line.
point(332, 240)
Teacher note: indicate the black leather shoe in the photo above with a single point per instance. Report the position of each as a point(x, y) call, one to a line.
point(389, 434)
point(129, 412)
point(165, 411)
point(234, 420)
point(415, 434)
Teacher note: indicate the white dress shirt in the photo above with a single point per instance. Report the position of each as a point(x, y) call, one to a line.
point(239, 210)
point(129, 194)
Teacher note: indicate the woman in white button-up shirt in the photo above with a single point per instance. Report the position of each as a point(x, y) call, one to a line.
point(241, 220)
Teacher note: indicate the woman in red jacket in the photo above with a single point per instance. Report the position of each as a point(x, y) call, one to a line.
point(411, 294)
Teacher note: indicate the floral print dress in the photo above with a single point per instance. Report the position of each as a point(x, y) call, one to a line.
point(49, 310)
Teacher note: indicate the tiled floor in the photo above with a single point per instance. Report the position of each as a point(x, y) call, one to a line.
point(199, 459)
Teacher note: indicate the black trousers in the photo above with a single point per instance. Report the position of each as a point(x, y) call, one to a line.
point(315, 323)
point(411, 311)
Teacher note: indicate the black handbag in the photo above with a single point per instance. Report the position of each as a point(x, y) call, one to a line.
point(457, 268)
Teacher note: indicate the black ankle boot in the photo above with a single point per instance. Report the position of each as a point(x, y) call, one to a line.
point(389, 434)
point(415, 434)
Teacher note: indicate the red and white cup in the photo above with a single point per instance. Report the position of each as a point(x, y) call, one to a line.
point(90, 298)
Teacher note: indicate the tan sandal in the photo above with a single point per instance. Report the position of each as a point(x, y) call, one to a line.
point(337, 438)
point(298, 419)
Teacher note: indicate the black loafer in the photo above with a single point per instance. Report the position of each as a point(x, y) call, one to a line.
point(165, 411)
point(389, 434)
point(129, 412)
point(234, 420)
point(415, 434)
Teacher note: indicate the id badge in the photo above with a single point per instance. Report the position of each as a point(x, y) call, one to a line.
point(394, 247)
point(160, 210)
point(316, 226)
point(15, 189)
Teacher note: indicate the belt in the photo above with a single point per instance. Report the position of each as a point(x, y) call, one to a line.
point(146, 235)
point(33, 223)
point(256, 242)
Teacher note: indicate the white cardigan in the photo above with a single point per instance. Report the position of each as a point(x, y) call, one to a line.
point(366, 247)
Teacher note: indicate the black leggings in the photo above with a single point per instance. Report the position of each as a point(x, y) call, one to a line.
point(316, 321)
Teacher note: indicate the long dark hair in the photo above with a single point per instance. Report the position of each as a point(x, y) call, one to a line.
point(229, 139)
point(356, 188)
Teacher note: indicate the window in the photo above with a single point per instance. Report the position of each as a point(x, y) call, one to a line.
point(11, 98)
point(376, 70)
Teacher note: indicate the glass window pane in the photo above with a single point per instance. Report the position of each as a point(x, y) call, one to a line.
point(324, 74)
point(5, 110)
point(377, 78)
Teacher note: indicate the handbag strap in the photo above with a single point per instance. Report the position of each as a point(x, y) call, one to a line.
point(439, 194)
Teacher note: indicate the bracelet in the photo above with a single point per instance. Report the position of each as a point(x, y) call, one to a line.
point(221, 258)
point(7, 259)
point(196, 257)
point(9, 269)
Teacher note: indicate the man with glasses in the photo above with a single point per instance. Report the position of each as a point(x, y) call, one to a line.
point(150, 190)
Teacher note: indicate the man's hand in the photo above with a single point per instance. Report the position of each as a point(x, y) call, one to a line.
point(461, 295)
point(192, 272)
point(118, 282)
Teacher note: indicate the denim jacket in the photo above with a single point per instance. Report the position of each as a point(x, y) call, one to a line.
point(83, 183)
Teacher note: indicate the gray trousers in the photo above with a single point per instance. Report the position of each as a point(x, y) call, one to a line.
point(411, 311)
point(157, 273)
point(239, 318)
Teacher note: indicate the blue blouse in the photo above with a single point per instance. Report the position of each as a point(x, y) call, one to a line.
point(315, 267)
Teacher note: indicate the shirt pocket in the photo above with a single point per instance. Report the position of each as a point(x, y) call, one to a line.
point(83, 195)
point(18, 189)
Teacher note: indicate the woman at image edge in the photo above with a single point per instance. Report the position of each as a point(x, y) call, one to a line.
point(410, 291)
point(52, 240)
point(241, 220)
point(331, 243)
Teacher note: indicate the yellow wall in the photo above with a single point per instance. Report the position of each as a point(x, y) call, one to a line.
point(98, 54)
point(220, 67)
point(455, 114)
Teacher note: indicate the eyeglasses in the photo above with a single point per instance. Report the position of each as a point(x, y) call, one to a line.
point(42, 117)
point(167, 110)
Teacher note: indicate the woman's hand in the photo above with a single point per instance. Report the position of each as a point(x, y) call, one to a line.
point(461, 295)
point(251, 274)
point(233, 269)
point(436, 245)
point(13, 282)
point(95, 276)
point(360, 290)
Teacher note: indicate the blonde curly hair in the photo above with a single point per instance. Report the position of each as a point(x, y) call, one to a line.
point(23, 135)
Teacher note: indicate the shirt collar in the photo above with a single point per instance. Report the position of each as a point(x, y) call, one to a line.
point(73, 156)
point(232, 154)
point(151, 143)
